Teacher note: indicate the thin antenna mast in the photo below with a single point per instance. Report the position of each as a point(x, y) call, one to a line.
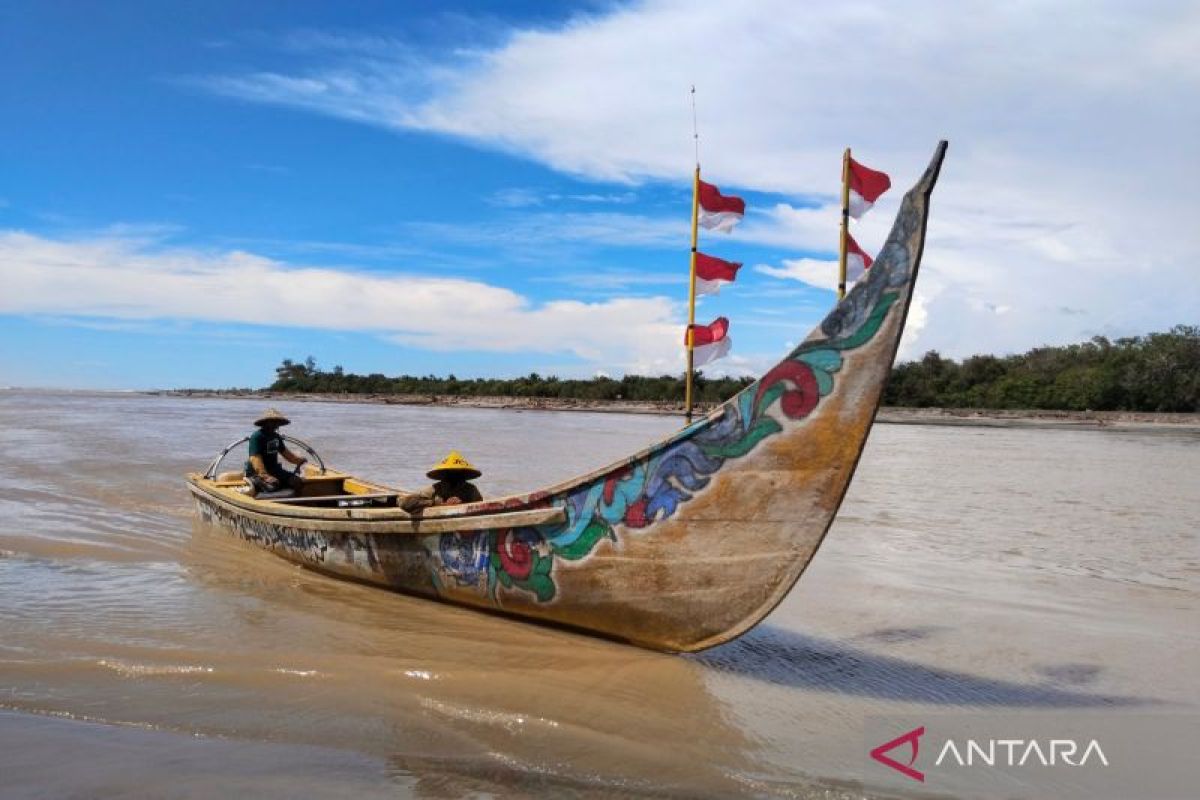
point(695, 128)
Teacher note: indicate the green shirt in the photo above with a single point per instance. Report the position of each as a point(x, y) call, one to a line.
point(266, 444)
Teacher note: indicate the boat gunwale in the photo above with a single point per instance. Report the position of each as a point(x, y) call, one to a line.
point(367, 520)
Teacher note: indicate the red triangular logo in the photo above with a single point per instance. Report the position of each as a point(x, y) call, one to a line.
point(912, 738)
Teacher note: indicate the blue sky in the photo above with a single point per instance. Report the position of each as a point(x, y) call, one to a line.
point(189, 195)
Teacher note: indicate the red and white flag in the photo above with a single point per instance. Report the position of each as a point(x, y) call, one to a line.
point(718, 212)
point(866, 185)
point(712, 272)
point(857, 260)
point(709, 342)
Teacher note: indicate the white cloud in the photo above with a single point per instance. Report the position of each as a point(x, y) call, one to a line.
point(523, 197)
point(610, 198)
point(531, 233)
point(815, 272)
point(530, 237)
point(610, 279)
point(515, 197)
point(133, 279)
point(1072, 125)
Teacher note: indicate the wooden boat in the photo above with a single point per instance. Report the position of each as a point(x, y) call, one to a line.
point(682, 546)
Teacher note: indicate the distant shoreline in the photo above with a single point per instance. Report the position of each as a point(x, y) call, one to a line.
point(967, 417)
point(662, 408)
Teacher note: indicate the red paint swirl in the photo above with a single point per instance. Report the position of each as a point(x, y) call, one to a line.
point(516, 557)
point(799, 401)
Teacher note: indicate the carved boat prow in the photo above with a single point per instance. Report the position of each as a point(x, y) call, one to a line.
point(682, 546)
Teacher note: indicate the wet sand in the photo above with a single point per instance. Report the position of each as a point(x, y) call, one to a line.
point(116, 761)
point(973, 573)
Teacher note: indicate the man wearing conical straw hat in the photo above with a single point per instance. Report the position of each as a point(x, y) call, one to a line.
point(453, 485)
point(263, 469)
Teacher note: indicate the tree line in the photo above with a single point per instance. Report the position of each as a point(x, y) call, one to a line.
point(1156, 372)
point(305, 376)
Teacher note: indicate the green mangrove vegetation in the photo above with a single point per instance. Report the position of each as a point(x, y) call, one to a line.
point(305, 376)
point(1156, 372)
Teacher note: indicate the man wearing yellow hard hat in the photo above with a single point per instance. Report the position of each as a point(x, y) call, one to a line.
point(453, 485)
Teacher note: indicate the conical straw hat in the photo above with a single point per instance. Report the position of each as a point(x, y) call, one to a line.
point(272, 416)
point(454, 465)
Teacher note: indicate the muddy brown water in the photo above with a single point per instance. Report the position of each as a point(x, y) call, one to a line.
point(970, 572)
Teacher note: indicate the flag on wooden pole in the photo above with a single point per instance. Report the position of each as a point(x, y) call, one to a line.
point(711, 272)
point(866, 185)
point(710, 342)
point(857, 260)
point(718, 212)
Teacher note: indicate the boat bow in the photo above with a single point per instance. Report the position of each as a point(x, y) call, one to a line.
point(694, 540)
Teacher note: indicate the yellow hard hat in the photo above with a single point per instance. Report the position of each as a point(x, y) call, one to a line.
point(454, 465)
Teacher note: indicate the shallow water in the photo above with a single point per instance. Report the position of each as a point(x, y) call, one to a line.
point(970, 572)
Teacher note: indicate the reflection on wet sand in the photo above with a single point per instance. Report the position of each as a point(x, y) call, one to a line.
point(472, 700)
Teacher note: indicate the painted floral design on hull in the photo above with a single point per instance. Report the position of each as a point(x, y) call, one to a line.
point(643, 492)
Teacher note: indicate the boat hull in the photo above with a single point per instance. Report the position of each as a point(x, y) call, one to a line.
point(680, 547)
point(684, 586)
point(395, 561)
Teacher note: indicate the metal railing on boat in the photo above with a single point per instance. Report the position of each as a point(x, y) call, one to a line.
point(211, 472)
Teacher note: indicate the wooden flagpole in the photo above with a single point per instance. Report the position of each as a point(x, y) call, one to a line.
point(692, 294)
point(845, 224)
point(687, 401)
